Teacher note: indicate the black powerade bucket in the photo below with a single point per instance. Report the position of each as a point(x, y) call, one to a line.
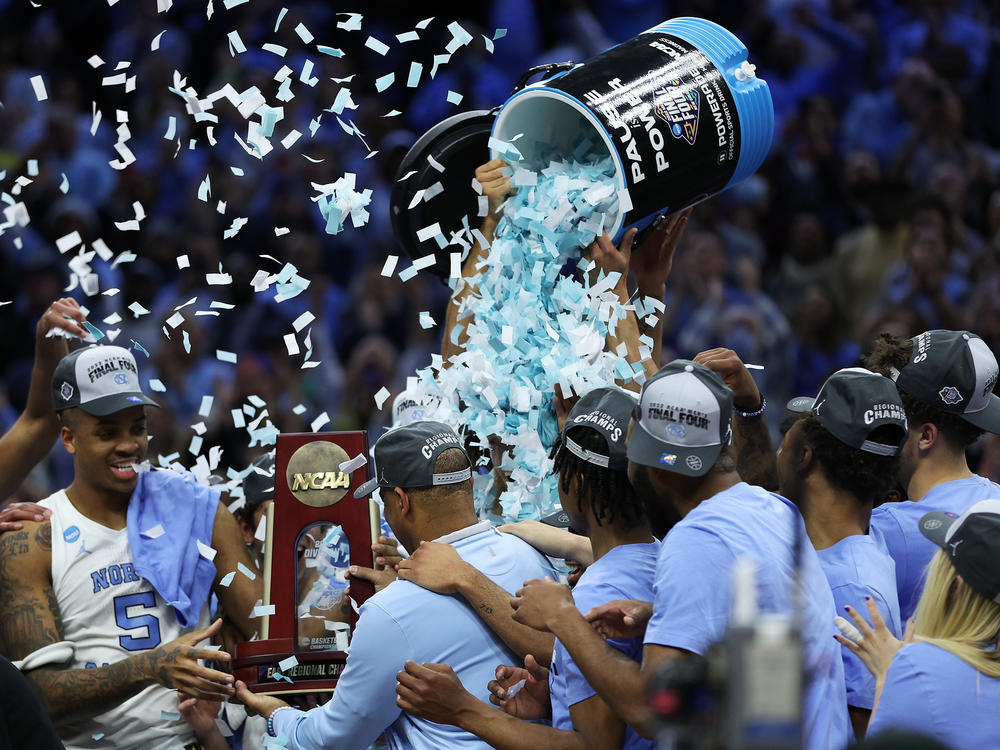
point(678, 106)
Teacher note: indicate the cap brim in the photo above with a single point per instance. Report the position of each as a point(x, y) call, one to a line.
point(101, 407)
point(366, 489)
point(935, 525)
point(801, 404)
point(559, 519)
point(986, 419)
point(644, 449)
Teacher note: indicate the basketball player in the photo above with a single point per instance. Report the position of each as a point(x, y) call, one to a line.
point(106, 647)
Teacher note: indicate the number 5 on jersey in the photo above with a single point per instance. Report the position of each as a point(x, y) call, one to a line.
point(127, 621)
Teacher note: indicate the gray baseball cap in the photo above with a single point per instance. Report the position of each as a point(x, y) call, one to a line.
point(607, 411)
point(852, 404)
point(99, 380)
point(954, 371)
point(683, 420)
point(405, 456)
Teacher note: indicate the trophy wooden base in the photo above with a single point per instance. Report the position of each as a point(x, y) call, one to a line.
point(257, 663)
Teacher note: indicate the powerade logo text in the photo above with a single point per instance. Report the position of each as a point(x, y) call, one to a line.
point(678, 106)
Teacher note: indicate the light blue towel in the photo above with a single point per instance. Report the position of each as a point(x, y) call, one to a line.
point(172, 562)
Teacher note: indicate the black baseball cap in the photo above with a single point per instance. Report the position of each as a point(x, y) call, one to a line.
point(606, 411)
point(954, 371)
point(258, 484)
point(972, 542)
point(99, 380)
point(404, 457)
point(683, 419)
point(852, 404)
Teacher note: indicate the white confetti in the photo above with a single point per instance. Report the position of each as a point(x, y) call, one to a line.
point(376, 46)
point(205, 551)
point(381, 396)
point(353, 464)
point(155, 532)
point(321, 421)
point(38, 84)
point(390, 265)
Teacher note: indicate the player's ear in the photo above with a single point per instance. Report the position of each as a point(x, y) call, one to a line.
point(68, 439)
point(403, 498)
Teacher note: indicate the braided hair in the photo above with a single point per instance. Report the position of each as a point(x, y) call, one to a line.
point(608, 491)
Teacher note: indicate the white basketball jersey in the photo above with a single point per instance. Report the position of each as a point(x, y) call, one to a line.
point(111, 613)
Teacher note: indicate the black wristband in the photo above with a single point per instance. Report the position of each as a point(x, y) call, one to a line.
point(752, 414)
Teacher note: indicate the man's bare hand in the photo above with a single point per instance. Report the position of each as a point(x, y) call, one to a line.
point(386, 552)
point(435, 566)
point(652, 261)
point(726, 362)
point(175, 665)
point(539, 602)
point(611, 259)
point(621, 618)
point(377, 578)
point(261, 705)
point(496, 187)
point(15, 512)
point(199, 714)
point(432, 692)
point(64, 314)
point(522, 692)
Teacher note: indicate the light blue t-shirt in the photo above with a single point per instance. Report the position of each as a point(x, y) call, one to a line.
point(896, 527)
point(857, 567)
point(693, 593)
point(405, 621)
point(624, 572)
point(932, 691)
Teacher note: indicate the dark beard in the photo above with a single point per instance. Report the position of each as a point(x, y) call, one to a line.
point(661, 512)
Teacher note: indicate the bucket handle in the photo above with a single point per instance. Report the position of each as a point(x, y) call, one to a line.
point(547, 69)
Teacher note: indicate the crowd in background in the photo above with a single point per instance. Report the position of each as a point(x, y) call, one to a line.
point(877, 209)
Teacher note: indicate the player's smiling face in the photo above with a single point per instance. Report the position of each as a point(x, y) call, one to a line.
point(107, 449)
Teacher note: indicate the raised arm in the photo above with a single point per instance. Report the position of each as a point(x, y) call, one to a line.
point(496, 188)
point(439, 567)
point(29, 619)
point(624, 338)
point(35, 431)
point(651, 265)
point(239, 597)
point(755, 457)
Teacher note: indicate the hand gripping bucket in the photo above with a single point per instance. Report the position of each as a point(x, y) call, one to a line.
point(678, 107)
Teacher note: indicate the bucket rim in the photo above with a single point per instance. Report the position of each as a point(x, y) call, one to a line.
point(540, 90)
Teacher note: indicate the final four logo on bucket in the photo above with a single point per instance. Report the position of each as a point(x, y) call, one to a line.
point(678, 105)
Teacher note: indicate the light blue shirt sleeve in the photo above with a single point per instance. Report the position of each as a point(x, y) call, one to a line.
point(364, 703)
point(576, 685)
point(861, 682)
point(691, 612)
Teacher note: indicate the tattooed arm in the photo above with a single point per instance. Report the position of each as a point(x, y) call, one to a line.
point(30, 619)
point(438, 567)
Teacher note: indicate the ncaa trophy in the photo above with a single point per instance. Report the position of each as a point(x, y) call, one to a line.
point(315, 530)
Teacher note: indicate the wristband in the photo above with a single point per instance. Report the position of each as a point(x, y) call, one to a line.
point(270, 719)
point(751, 414)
